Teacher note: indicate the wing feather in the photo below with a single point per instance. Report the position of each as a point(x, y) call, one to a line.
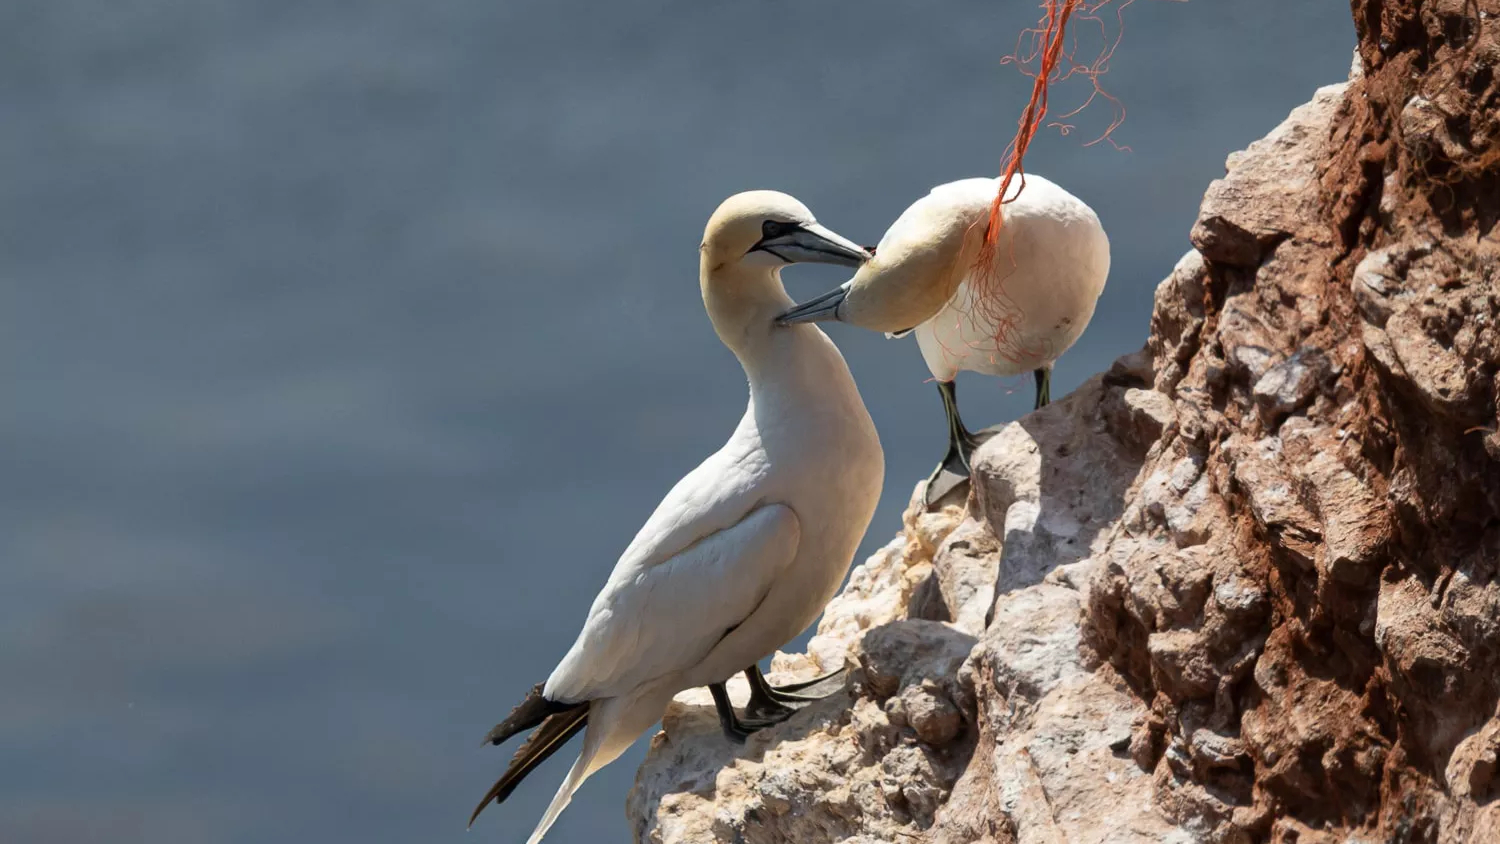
point(651, 620)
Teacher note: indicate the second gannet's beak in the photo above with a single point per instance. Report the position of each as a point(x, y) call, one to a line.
point(820, 309)
point(810, 243)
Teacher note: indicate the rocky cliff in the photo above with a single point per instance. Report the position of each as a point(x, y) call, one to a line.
point(1245, 585)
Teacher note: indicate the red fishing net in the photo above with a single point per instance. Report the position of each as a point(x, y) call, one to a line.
point(1050, 53)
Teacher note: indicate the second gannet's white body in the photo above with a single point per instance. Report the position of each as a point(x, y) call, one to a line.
point(1016, 312)
point(745, 551)
point(1049, 266)
point(1050, 263)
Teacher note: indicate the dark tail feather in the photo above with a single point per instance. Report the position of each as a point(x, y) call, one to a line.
point(554, 732)
point(527, 714)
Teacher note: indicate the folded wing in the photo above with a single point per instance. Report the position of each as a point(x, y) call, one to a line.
point(654, 619)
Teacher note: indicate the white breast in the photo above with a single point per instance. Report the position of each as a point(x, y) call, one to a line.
point(1049, 267)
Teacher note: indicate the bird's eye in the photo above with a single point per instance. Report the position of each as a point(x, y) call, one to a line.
point(772, 228)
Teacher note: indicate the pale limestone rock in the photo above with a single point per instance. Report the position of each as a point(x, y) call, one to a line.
point(1268, 192)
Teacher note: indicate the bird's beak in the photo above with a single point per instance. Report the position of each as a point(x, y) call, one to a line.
point(814, 244)
point(821, 309)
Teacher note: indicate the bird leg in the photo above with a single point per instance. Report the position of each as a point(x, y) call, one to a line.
point(1043, 387)
point(766, 702)
point(800, 685)
point(961, 445)
point(737, 729)
point(769, 700)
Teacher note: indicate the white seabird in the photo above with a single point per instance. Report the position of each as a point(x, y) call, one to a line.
point(1050, 263)
point(745, 551)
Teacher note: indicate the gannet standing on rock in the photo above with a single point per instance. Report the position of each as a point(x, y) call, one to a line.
point(1017, 313)
point(745, 551)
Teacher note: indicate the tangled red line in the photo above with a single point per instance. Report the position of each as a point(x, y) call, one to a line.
point(1048, 55)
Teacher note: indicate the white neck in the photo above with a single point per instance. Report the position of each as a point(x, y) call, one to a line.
point(743, 303)
point(794, 370)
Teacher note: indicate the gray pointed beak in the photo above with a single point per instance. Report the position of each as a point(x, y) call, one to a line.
point(821, 309)
point(814, 244)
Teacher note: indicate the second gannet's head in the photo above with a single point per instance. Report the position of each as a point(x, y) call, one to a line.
point(766, 228)
point(918, 265)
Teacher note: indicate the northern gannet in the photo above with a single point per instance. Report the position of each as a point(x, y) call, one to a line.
point(745, 551)
point(1049, 265)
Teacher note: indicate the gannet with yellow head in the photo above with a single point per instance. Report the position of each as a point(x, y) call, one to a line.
point(745, 551)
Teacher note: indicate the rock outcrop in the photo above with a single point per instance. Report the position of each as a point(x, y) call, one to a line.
point(1245, 585)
